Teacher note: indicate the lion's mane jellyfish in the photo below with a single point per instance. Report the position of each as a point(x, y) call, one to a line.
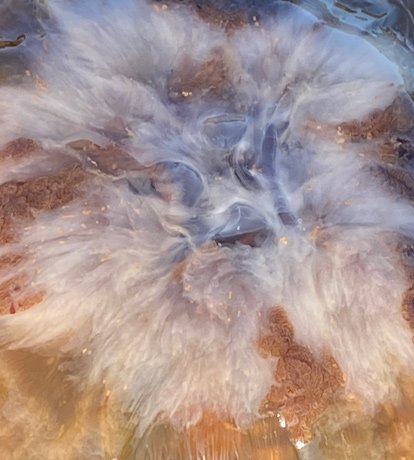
point(206, 228)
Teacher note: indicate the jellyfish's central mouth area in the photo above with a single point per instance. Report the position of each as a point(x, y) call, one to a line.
point(223, 200)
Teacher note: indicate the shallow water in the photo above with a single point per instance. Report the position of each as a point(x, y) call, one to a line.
point(206, 229)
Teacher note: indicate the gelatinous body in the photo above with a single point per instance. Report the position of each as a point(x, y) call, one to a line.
point(206, 219)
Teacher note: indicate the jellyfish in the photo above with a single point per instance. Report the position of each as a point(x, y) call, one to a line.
point(206, 239)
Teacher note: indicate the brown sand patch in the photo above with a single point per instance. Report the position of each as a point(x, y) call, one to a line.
point(19, 200)
point(398, 117)
point(408, 307)
point(9, 260)
point(216, 13)
point(18, 149)
point(305, 384)
point(16, 295)
point(230, 20)
point(210, 78)
point(109, 159)
point(391, 132)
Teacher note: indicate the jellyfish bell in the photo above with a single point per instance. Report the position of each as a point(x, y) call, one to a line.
point(203, 249)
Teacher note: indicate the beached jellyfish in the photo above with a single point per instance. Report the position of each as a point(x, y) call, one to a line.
point(206, 230)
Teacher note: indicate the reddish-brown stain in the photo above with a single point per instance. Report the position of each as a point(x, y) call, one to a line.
point(210, 78)
point(397, 117)
point(18, 199)
point(108, 159)
point(408, 307)
point(216, 13)
point(16, 294)
point(305, 383)
point(18, 148)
